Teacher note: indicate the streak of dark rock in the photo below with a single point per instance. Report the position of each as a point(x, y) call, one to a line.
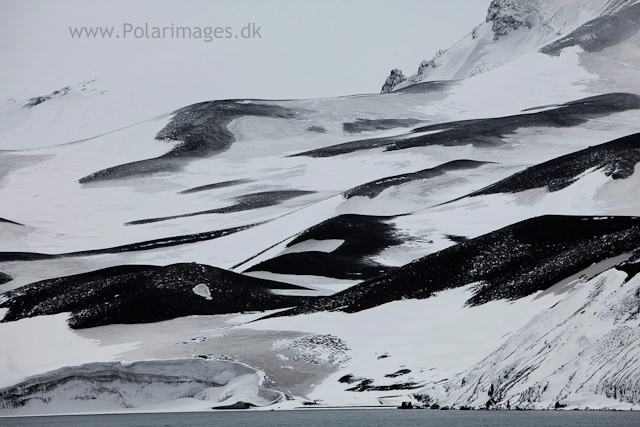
point(508, 264)
point(492, 131)
point(199, 131)
point(374, 188)
point(133, 247)
point(215, 186)
point(368, 125)
point(600, 33)
point(243, 203)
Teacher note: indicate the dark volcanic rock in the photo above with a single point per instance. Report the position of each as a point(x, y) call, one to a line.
point(144, 294)
point(617, 159)
point(600, 33)
point(510, 263)
point(367, 125)
point(395, 78)
point(242, 203)
point(512, 15)
point(133, 247)
point(200, 131)
point(5, 278)
point(237, 405)
point(364, 236)
point(374, 188)
point(491, 132)
point(215, 186)
point(8, 221)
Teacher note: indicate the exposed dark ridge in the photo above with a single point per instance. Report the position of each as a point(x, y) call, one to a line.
point(201, 132)
point(133, 247)
point(425, 87)
point(8, 221)
point(600, 33)
point(143, 294)
point(374, 188)
point(364, 125)
point(456, 239)
point(215, 186)
point(367, 385)
point(509, 264)
point(243, 203)
point(490, 132)
point(617, 159)
point(4, 278)
point(364, 237)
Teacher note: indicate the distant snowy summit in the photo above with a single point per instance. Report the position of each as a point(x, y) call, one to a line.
point(514, 28)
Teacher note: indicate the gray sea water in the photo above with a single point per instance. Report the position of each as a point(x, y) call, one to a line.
point(356, 418)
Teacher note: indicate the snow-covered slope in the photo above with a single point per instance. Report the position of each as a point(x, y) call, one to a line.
point(514, 28)
point(469, 239)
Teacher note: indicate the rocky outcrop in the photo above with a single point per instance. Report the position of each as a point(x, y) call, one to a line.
point(512, 15)
point(395, 78)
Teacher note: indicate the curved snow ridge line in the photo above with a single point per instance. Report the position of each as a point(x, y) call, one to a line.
point(113, 385)
point(200, 131)
point(243, 203)
point(508, 264)
point(490, 132)
point(8, 221)
point(133, 247)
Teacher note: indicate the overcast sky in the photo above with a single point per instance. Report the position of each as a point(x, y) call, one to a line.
point(307, 48)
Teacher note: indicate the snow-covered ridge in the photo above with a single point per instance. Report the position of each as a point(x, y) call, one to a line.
point(512, 28)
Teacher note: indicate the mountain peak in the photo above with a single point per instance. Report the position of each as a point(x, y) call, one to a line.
point(511, 15)
point(511, 29)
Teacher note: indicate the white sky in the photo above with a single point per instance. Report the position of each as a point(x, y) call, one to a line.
point(308, 48)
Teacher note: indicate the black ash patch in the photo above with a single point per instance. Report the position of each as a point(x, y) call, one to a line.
point(456, 239)
point(40, 99)
point(600, 33)
point(510, 263)
point(215, 186)
point(427, 87)
point(199, 131)
point(142, 294)
point(5, 278)
point(368, 125)
point(364, 236)
point(316, 129)
point(490, 132)
point(242, 203)
point(398, 373)
point(8, 221)
point(617, 159)
point(134, 247)
point(367, 385)
point(374, 188)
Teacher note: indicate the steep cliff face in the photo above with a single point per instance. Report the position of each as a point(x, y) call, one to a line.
point(511, 15)
point(585, 348)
